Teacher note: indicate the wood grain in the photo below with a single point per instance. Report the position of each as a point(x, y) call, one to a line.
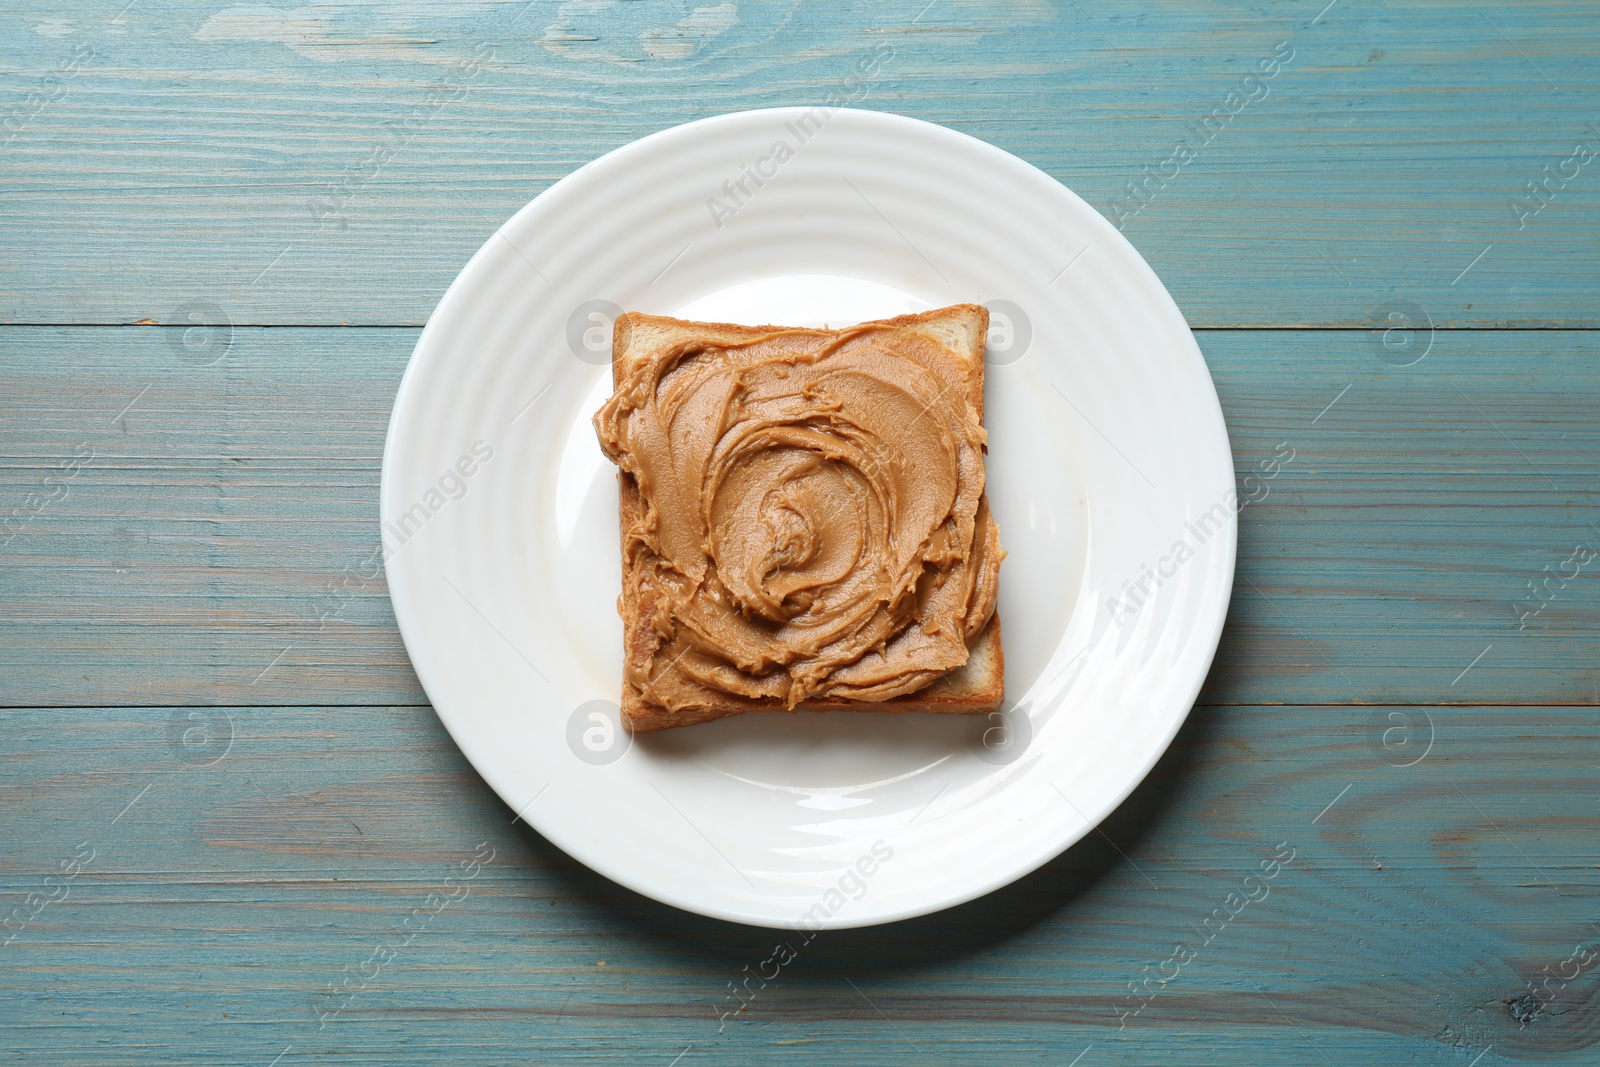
point(199, 689)
point(185, 161)
point(218, 908)
point(226, 515)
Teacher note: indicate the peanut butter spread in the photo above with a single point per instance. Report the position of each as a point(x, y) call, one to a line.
point(812, 521)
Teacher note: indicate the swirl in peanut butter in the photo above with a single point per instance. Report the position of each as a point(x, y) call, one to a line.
point(812, 521)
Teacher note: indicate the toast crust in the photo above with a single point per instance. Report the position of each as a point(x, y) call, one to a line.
point(976, 687)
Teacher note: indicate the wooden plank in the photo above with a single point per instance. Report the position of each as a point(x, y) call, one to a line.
point(174, 155)
point(165, 159)
point(221, 903)
point(226, 514)
point(222, 519)
point(1432, 511)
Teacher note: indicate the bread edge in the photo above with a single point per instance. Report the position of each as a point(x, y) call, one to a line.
point(635, 336)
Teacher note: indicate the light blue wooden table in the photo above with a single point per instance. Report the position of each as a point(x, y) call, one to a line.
point(223, 227)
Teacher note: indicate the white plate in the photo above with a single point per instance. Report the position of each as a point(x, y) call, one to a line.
point(1106, 448)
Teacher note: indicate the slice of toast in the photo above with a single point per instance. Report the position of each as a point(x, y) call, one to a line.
point(977, 687)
